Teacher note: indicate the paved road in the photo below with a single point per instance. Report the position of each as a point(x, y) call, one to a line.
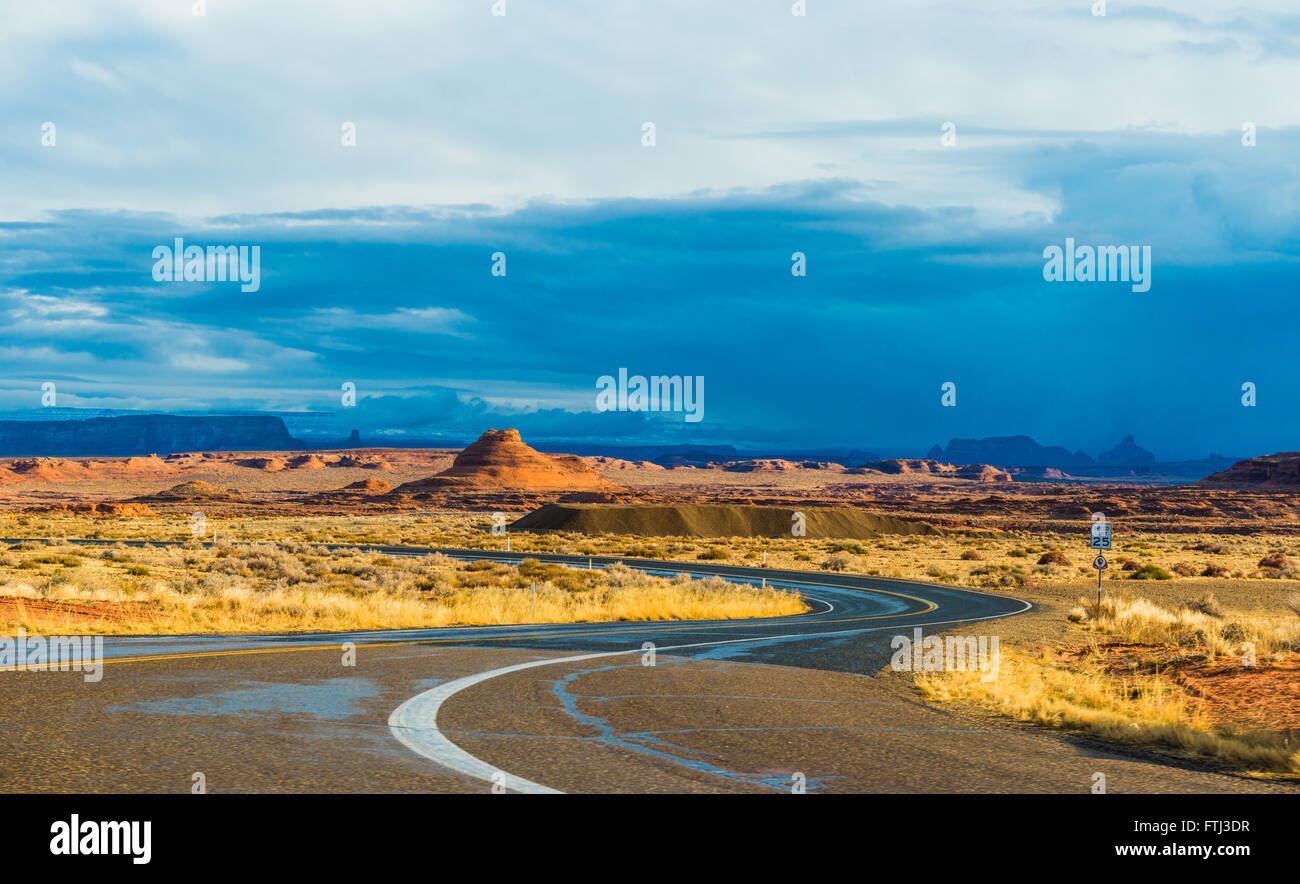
point(842, 606)
point(755, 705)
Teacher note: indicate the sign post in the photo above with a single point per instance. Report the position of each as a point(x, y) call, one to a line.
point(1100, 539)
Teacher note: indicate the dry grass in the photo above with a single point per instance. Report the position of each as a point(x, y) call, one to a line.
point(1137, 704)
point(1142, 710)
point(265, 588)
point(1201, 626)
point(982, 560)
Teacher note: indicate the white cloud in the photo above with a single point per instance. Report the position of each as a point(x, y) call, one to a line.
point(453, 105)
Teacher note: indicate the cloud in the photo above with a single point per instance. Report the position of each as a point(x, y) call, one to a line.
point(775, 135)
point(159, 110)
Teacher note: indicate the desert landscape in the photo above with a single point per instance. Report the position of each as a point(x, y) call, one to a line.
point(1201, 573)
point(889, 401)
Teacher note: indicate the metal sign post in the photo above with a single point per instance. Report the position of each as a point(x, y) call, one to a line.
point(1100, 539)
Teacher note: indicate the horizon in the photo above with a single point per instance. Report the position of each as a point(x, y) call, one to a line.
point(296, 424)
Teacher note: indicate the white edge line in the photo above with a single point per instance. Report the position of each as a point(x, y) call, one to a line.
point(415, 723)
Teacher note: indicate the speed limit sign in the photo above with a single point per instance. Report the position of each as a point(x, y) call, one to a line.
point(1100, 563)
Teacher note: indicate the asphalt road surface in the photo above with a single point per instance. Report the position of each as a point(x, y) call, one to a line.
point(773, 705)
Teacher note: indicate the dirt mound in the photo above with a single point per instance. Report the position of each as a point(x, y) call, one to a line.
point(196, 490)
point(982, 472)
point(500, 459)
point(822, 465)
point(306, 462)
point(614, 463)
point(98, 509)
point(715, 521)
point(978, 472)
point(1280, 470)
point(772, 465)
point(55, 470)
point(42, 469)
point(360, 463)
point(369, 486)
point(899, 466)
point(266, 464)
point(779, 465)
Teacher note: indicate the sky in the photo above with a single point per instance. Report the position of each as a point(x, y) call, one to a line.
point(920, 156)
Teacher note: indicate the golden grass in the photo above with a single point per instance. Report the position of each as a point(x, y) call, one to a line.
point(1140, 710)
point(1006, 562)
point(1201, 626)
point(251, 588)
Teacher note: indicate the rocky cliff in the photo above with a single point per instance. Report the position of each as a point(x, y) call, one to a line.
point(1271, 471)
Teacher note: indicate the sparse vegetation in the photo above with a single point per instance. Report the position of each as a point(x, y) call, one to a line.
point(296, 587)
point(1144, 710)
point(1126, 681)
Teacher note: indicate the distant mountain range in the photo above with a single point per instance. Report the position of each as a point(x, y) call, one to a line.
point(143, 434)
point(1021, 453)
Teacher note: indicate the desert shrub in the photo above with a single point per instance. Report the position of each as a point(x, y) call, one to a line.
point(1274, 560)
point(65, 561)
point(1207, 604)
point(712, 554)
point(1184, 569)
point(1215, 571)
point(1151, 572)
point(971, 555)
point(839, 561)
point(999, 575)
point(1053, 557)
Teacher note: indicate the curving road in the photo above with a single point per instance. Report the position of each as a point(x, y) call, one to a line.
point(750, 706)
point(842, 605)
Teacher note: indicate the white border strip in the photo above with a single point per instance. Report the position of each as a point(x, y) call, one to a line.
point(415, 723)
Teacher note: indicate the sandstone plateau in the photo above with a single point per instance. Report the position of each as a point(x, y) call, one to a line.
point(1280, 470)
point(980, 472)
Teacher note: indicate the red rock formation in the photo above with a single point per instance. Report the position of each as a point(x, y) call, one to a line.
point(1280, 470)
point(500, 459)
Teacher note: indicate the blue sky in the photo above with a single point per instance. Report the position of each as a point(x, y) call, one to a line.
point(774, 134)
